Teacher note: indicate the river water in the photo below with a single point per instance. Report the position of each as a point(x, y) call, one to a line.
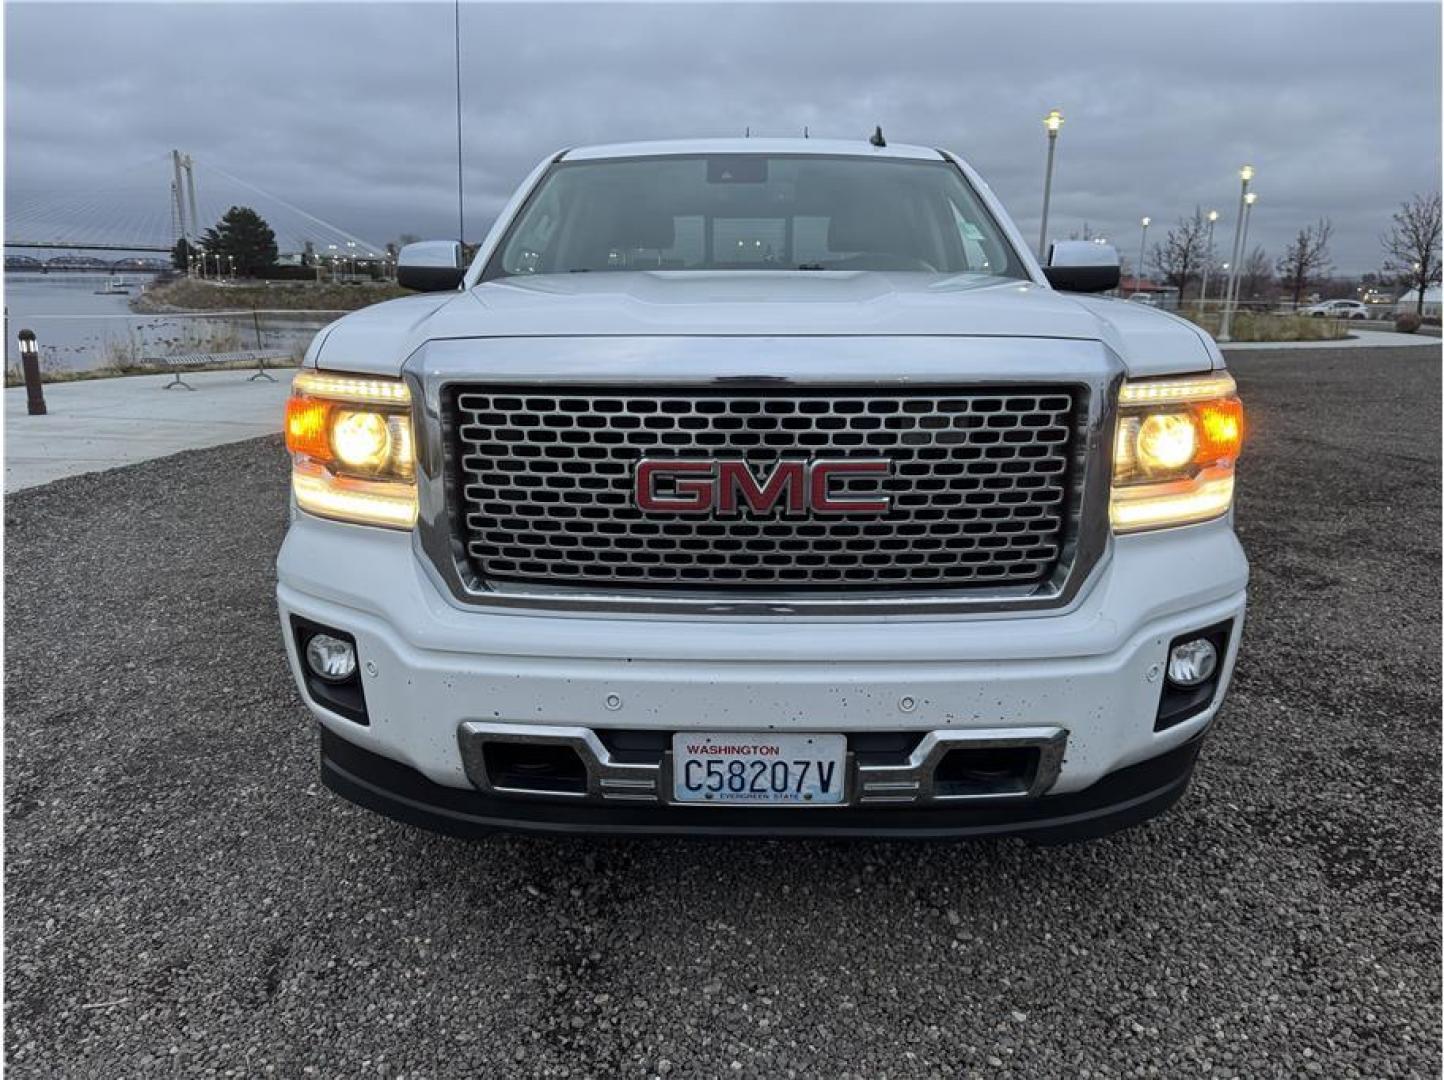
point(80, 328)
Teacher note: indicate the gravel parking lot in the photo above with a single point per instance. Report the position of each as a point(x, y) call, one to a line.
point(183, 897)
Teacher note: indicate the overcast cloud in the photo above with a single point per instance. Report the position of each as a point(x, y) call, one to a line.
point(347, 111)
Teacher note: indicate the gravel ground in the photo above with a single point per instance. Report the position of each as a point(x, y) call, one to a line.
point(184, 898)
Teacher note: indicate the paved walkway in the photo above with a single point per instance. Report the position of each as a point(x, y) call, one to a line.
point(105, 423)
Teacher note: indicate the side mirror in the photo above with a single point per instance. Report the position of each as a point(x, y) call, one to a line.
point(430, 266)
point(1082, 266)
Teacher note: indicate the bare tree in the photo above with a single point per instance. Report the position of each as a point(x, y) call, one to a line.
point(1180, 257)
point(1255, 274)
point(1412, 245)
point(1306, 259)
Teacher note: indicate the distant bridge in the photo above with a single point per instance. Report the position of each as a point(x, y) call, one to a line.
point(52, 246)
point(61, 264)
point(129, 215)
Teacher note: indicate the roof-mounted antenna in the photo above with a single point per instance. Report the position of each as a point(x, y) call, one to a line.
point(877, 139)
point(460, 189)
point(747, 132)
point(804, 132)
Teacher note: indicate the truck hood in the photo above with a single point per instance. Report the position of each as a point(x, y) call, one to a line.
point(379, 339)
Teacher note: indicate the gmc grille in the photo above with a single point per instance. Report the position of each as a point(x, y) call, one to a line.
point(980, 488)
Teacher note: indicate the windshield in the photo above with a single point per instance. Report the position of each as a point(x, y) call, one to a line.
point(754, 212)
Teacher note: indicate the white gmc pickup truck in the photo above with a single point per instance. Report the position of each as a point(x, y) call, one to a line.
point(762, 487)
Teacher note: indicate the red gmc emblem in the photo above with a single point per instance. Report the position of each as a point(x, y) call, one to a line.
point(725, 486)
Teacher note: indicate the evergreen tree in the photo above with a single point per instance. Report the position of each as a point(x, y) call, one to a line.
point(242, 234)
point(181, 254)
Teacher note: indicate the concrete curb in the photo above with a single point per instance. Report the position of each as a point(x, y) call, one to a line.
point(1363, 339)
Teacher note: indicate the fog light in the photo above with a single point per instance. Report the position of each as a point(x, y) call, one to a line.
point(1189, 663)
point(334, 660)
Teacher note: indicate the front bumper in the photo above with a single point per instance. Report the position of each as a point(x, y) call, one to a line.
point(1123, 798)
point(1092, 671)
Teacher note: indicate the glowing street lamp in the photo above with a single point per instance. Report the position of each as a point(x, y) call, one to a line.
point(1245, 174)
point(1052, 122)
point(1207, 259)
point(1142, 246)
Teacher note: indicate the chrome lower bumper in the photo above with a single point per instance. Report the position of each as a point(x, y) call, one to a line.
point(909, 783)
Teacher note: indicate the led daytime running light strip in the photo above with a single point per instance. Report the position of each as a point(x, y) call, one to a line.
point(329, 497)
point(1177, 391)
point(348, 388)
point(1138, 509)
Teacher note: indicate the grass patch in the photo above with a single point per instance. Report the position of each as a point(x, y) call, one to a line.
point(1262, 326)
point(15, 377)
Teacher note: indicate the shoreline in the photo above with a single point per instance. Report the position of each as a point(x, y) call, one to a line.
point(188, 296)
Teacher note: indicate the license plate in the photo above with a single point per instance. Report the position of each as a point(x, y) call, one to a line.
point(744, 767)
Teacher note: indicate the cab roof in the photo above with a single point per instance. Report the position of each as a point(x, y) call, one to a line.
point(829, 147)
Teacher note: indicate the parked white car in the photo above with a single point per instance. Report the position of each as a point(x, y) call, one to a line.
point(1338, 309)
point(762, 487)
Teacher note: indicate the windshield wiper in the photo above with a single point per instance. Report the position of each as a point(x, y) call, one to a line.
point(811, 266)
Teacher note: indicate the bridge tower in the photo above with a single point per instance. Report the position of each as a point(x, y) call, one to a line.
point(191, 194)
point(183, 197)
point(178, 195)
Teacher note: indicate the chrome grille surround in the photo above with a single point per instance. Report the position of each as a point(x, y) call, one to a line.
point(637, 366)
point(978, 487)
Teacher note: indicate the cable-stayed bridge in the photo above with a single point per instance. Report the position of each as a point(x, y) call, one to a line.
point(149, 206)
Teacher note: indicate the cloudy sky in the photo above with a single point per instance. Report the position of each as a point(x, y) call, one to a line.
point(346, 110)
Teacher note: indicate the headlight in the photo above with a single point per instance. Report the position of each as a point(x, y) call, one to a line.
point(351, 449)
point(1174, 453)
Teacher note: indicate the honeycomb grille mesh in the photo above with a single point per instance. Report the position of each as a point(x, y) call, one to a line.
point(978, 489)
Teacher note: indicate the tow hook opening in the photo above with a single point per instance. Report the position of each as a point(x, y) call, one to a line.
point(542, 767)
point(986, 770)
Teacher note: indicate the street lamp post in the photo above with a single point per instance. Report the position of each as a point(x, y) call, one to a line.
point(1142, 247)
point(1245, 175)
point(1207, 260)
point(1053, 121)
point(1248, 201)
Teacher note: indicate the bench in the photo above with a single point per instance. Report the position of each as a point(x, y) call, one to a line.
point(178, 362)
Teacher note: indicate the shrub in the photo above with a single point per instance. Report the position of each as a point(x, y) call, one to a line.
point(1406, 322)
point(282, 272)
